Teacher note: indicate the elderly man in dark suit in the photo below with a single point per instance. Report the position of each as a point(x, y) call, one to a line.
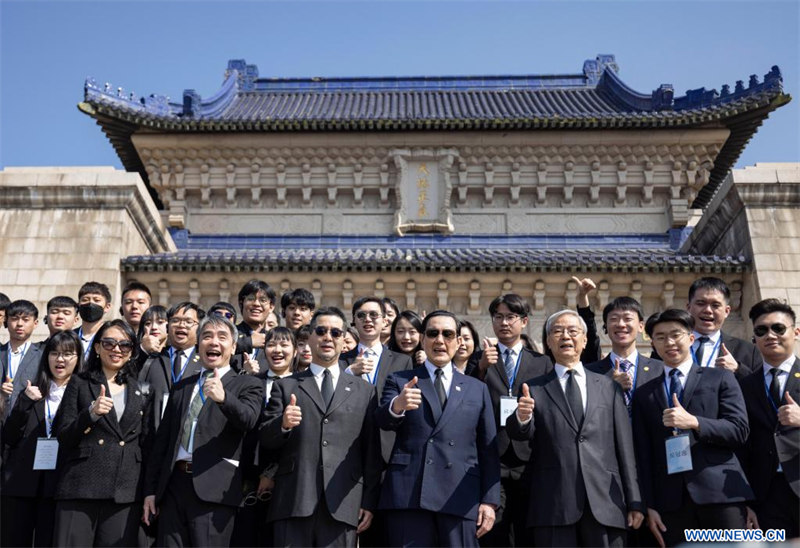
point(687, 424)
point(320, 423)
point(582, 471)
point(443, 481)
point(771, 457)
point(193, 472)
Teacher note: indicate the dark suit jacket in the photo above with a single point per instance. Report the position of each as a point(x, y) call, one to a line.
point(21, 431)
point(218, 439)
point(600, 452)
point(333, 453)
point(391, 362)
point(647, 369)
point(27, 370)
point(513, 454)
point(768, 438)
point(103, 458)
point(714, 397)
point(443, 460)
point(746, 355)
point(156, 376)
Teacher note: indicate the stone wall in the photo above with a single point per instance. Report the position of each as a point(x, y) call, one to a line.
point(62, 227)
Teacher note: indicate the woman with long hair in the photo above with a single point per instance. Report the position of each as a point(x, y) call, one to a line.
point(469, 340)
point(28, 484)
point(102, 427)
point(152, 335)
point(405, 336)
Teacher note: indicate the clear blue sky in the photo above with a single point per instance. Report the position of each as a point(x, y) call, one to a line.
point(47, 49)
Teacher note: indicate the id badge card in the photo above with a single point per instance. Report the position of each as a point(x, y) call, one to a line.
point(46, 454)
point(508, 406)
point(679, 454)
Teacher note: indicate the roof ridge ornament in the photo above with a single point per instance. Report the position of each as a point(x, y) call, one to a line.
point(593, 68)
point(700, 97)
point(246, 74)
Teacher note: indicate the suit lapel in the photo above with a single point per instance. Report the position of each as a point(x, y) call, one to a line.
point(308, 385)
point(500, 366)
point(691, 383)
point(109, 418)
point(425, 385)
point(344, 389)
point(592, 395)
point(387, 356)
point(658, 390)
point(133, 404)
point(454, 400)
point(556, 393)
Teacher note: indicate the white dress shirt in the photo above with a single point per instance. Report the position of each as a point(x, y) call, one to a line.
point(580, 379)
point(785, 367)
point(684, 368)
point(318, 370)
point(710, 349)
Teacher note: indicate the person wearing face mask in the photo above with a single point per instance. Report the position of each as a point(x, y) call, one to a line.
point(94, 302)
point(28, 478)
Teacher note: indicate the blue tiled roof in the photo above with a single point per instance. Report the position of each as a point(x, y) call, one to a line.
point(647, 253)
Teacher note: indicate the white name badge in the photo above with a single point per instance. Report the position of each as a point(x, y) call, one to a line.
point(46, 454)
point(679, 454)
point(508, 406)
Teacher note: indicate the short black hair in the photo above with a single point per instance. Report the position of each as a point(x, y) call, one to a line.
point(94, 367)
point(768, 306)
point(136, 286)
point(303, 332)
point(710, 284)
point(254, 287)
point(62, 301)
point(222, 305)
point(21, 306)
point(299, 297)
point(361, 301)
point(411, 317)
point(670, 315)
point(438, 313)
point(155, 312)
point(186, 305)
point(327, 311)
point(624, 304)
point(514, 302)
point(95, 288)
point(389, 302)
point(4, 301)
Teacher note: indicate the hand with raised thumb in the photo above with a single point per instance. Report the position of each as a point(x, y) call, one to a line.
point(489, 357)
point(33, 392)
point(292, 415)
point(103, 404)
point(250, 365)
point(410, 398)
point(677, 417)
point(725, 360)
point(525, 404)
point(213, 389)
point(361, 364)
point(8, 386)
point(621, 377)
point(789, 414)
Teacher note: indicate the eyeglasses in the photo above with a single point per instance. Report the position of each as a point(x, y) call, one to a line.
point(777, 328)
point(253, 497)
point(448, 334)
point(109, 345)
point(260, 300)
point(66, 356)
point(321, 331)
point(570, 331)
point(372, 315)
point(224, 314)
point(188, 322)
point(675, 336)
point(510, 318)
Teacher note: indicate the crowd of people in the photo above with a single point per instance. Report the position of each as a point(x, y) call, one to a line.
point(242, 426)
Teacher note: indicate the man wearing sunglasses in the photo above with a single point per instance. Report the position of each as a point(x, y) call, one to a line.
point(442, 485)
point(771, 393)
point(320, 424)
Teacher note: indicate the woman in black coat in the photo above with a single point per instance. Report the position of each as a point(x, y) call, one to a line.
point(103, 427)
point(27, 493)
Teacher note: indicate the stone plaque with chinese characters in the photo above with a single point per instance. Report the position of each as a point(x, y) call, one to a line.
point(423, 191)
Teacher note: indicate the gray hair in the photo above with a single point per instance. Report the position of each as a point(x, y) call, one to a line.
point(218, 321)
point(548, 326)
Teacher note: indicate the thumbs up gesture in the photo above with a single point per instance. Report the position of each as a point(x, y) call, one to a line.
point(8, 386)
point(490, 355)
point(525, 405)
point(410, 398)
point(584, 286)
point(292, 415)
point(212, 388)
point(33, 392)
point(621, 377)
point(678, 417)
point(103, 404)
point(725, 360)
point(789, 414)
point(362, 364)
point(250, 365)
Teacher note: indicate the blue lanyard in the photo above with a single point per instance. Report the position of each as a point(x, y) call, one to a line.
point(48, 423)
point(21, 353)
point(374, 379)
point(200, 382)
point(635, 369)
point(88, 347)
point(769, 396)
point(666, 389)
point(710, 356)
point(172, 364)
point(514, 376)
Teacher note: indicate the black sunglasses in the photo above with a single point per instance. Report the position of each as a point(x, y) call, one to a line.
point(321, 331)
point(448, 334)
point(224, 314)
point(110, 344)
point(777, 328)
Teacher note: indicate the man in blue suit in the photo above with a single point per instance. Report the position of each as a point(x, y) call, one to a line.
point(442, 484)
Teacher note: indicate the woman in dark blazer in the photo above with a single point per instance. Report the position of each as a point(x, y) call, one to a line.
point(103, 428)
point(27, 494)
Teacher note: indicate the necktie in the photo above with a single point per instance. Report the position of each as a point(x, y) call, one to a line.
point(327, 387)
point(698, 355)
point(176, 366)
point(195, 406)
point(626, 367)
point(438, 384)
point(775, 387)
point(675, 386)
point(509, 366)
point(574, 397)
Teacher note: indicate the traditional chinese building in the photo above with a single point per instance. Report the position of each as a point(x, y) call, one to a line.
point(443, 192)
